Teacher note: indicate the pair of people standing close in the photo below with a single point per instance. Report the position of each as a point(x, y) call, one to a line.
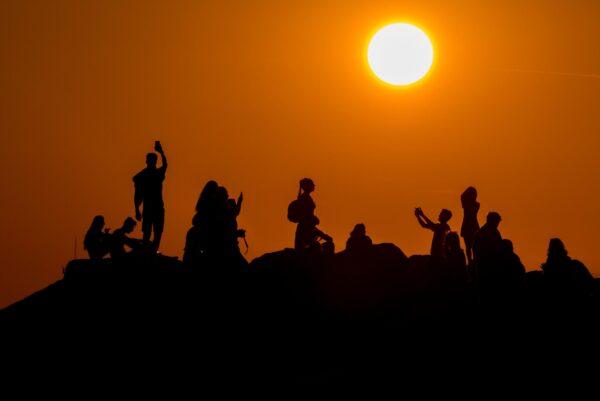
point(214, 235)
point(441, 229)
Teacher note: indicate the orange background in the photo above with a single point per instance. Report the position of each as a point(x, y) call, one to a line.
point(260, 94)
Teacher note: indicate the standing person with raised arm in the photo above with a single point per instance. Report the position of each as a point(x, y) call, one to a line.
point(148, 192)
point(440, 230)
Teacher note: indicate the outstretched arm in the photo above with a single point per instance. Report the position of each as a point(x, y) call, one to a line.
point(423, 220)
point(427, 220)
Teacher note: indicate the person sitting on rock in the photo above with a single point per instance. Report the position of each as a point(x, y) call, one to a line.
point(440, 230)
point(566, 276)
point(96, 241)
point(119, 240)
point(359, 241)
point(455, 256)
point(511, 265)
point(302, 212)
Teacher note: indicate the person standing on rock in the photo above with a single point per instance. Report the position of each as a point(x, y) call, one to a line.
point(148, 192)
point(440, 230)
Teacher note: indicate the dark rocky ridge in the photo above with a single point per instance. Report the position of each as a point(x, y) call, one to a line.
point(295, 318)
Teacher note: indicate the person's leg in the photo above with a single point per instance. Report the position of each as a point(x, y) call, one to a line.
point(469, 249)
point(159, 225)
point(303, 236)
point(147, 220)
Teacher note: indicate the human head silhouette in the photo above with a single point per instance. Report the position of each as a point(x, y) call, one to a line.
point(493, 219)
point(307, 185)
point(129, 225)
point(151, 160)
point(359, 230)
point(469, 195)
point(445, 216)
point(207, 197)
point(452, 241)
point(97, 224)
point(556, 249)
point(209, 189)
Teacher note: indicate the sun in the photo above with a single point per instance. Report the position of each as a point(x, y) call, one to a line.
point(400, 54)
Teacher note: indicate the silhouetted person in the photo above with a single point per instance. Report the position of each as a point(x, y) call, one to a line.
point(488, 241)
point(453, 271)
point(488, 269)
point(470, 224)
point(96, 241)
point(120, 239)
point(359, 241)
point(302, 212)
point(565, 276)
point(213, 238)
point(148, 192)
point(440, 230)
point(455, 256)
point(207, 199)
point(511, 265)
point(195, 242)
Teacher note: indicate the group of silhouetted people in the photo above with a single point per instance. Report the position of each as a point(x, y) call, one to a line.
point(214, 236)
point(148, 184)
point(493, 263)
point(213, 239)
point(99, 241)
point(492, 260)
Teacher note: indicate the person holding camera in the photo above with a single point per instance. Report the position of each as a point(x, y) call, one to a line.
point(148, 193)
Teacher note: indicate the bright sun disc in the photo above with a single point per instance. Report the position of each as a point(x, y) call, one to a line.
point(400, 54)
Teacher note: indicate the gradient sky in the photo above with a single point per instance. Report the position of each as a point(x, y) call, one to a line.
point(260, 94)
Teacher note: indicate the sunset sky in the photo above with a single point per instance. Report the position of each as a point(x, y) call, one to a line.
point(260, 94)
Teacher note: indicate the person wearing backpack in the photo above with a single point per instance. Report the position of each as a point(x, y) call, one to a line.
point(302, 212)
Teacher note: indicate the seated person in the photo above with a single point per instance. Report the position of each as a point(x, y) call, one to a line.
point(119, 239)
point(96, 241)
point(455, 256)
point(359, 240)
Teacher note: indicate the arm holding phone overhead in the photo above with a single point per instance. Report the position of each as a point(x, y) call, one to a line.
point(161, 152)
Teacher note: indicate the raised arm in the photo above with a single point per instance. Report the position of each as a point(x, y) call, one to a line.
point(423, 220)
point(161, 152)
point(238, 204)
point(427, 220)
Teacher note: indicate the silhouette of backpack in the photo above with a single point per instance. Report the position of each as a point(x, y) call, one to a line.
point(294, 213)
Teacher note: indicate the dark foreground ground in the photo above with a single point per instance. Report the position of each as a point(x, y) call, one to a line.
point(375, 318)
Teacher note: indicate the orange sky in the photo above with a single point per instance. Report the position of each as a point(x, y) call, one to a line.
point(260, 94)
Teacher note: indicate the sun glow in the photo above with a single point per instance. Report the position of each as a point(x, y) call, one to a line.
point(400, 54)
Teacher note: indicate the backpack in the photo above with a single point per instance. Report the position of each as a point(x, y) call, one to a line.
point(294, 211)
